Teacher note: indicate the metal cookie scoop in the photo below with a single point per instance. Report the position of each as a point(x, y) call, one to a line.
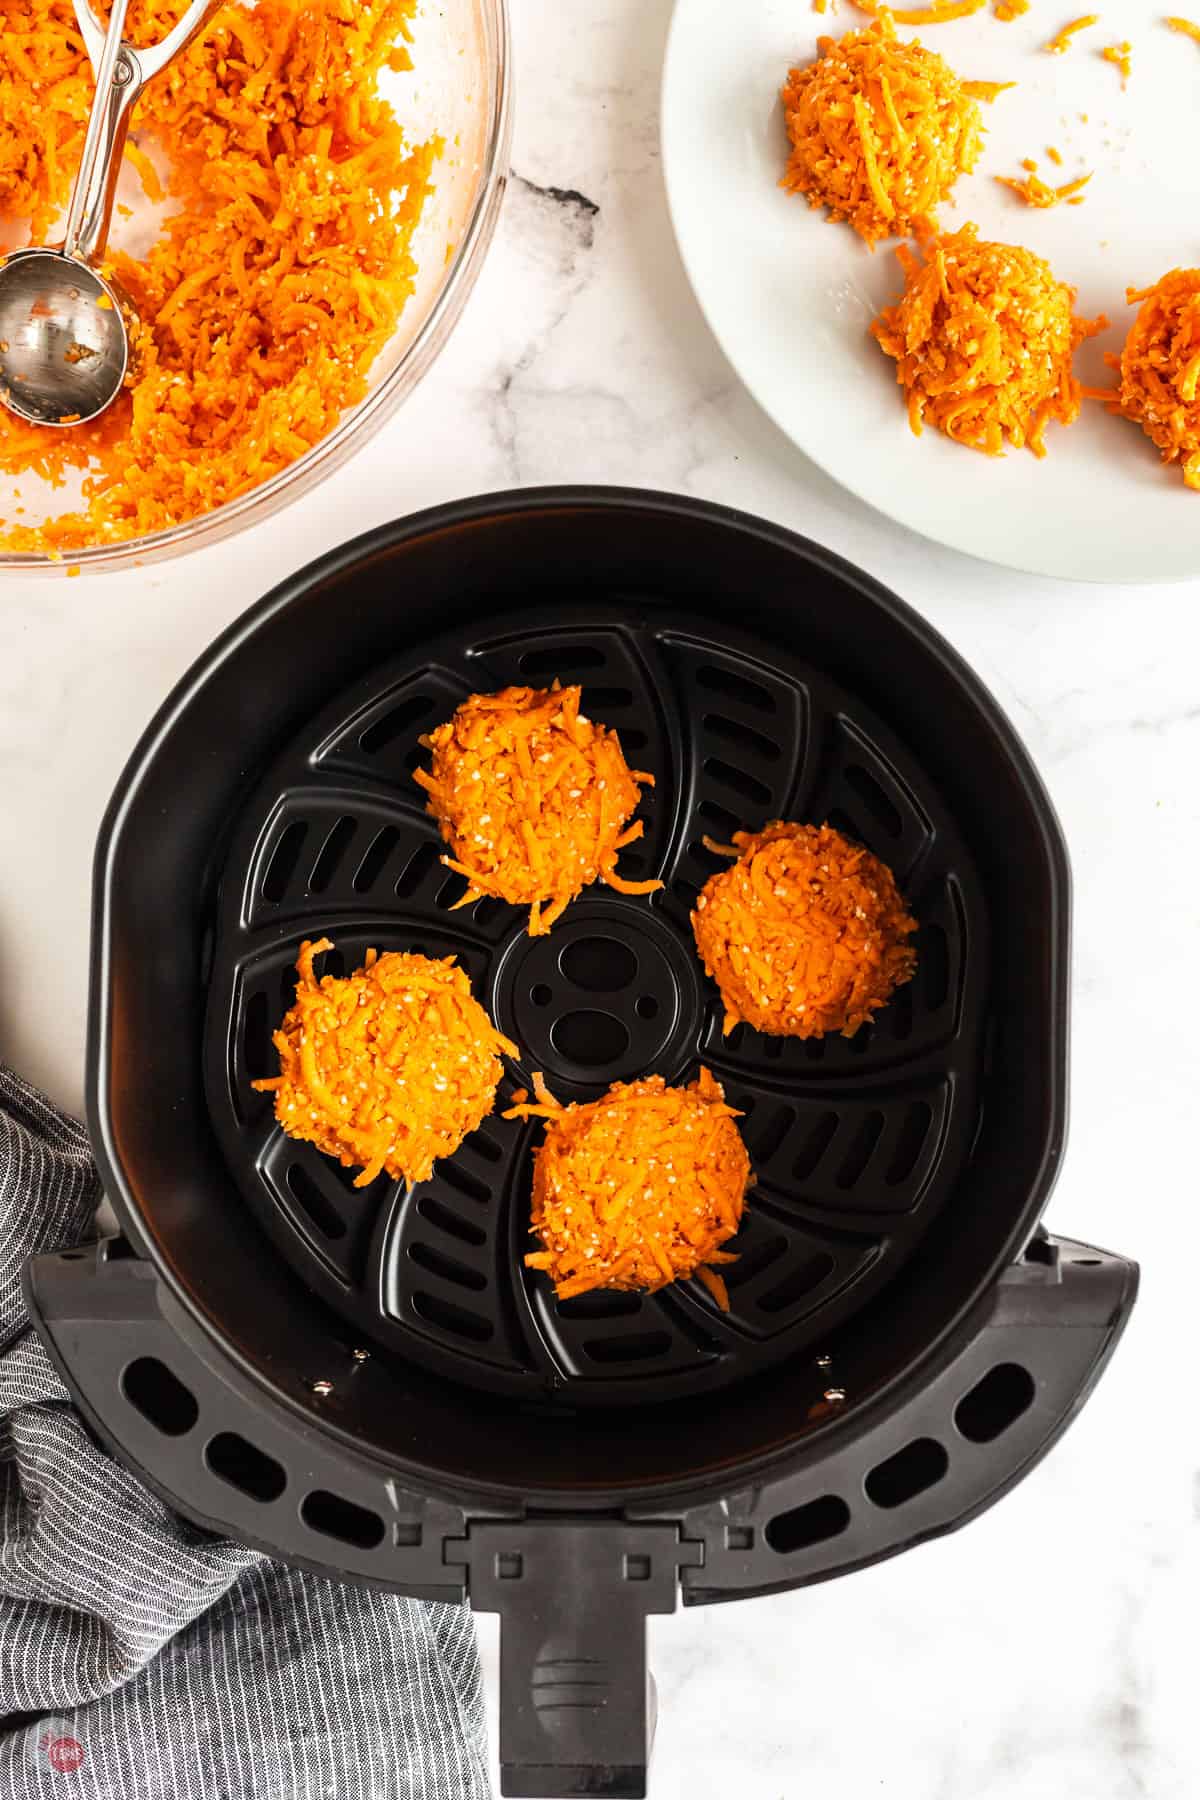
point(64, 340)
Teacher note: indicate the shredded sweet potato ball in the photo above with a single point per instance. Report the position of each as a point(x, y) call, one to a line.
point(880, 130)
point(533, 799)
point(983, 338)
point(280, 273)
point(805, 933)
point(388, 1068)
point(638, 1188)
point(1159, 369)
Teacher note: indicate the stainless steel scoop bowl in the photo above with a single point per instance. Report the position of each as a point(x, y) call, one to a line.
point(64, 325)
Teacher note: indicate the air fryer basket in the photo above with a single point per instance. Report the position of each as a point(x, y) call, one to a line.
point(857, 1143)
point(374, 1386)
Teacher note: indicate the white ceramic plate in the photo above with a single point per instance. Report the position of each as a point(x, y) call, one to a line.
point(790, 296)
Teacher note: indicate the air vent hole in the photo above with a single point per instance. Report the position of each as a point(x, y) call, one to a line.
point(335, 1517)
point(995, 1403)
point(918, 1118)
point(395, 724)
point(735, 687)
point(724, 823)
point(332, 854)
point(256, 1036)
point(933, 966)
point(769, 1133)
point(599, 965)
point(752, 1261)
point(448, 1267)
point(639, 1346)
point(875, 800)
point(373, 863)
point(803, 1280)
point(244, 1466)
point(454, 1319)
point(443, 1219)
point(563, 660)
point(741, 738)
point(160, 1396)
point(284, 859)
point(805, 1526)
point(455, 1176)
point(319, 1210)
point(911, 1471)
point(862, 1149)
point(818, 1138)
point(419, 867)
point(737, 781)
point(592, 1040)
point(600, 1303)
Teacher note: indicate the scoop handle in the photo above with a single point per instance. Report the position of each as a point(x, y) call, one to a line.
point(117, 87)
point(121, 74)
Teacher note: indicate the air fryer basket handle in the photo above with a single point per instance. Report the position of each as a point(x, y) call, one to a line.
point(573, 1596)
point(574, 1591)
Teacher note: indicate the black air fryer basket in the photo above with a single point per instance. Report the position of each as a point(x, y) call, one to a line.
point(374, 1386)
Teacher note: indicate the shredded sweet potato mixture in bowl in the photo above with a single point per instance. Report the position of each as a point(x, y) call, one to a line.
point(306, 197)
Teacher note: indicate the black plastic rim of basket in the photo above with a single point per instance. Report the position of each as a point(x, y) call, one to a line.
point(856, 1143)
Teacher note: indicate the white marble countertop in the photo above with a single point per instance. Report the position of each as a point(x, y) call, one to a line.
point(1048, 1651)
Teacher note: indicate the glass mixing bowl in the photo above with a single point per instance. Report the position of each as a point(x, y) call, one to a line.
point(459, 88)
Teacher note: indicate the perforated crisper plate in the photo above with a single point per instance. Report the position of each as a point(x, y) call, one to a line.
point(856, 1143)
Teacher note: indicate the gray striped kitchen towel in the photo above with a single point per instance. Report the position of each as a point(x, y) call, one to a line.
point(141, 1659)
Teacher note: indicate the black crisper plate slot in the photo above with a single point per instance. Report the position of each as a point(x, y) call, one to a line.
point(856, 1143)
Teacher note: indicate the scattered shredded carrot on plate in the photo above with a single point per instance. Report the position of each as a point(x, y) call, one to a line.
point(637, 1189)
point(880, 130)
point(1062, 41)
point(986, 90)
point(937, 12)
point(1121, 56)
point(804, 934)
point(1008, 10)
point(533, 799)
point(1186, 26)
point(1054, 155)
point(386, 1069)
point(279, 275)
point(1159, 369)
point(1035, 192)
point(983, 338)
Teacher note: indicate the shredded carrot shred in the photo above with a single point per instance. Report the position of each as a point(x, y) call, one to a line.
point(1121, 56)
point(1054, 155)
point(1035, 192)
point(279, 275)
point(152, 187)
point(1187, 26)
point(983, 338)
point(1159, 369)
point(637, 1189)
point(986, 90)
point(533, 799)
point(804, 934)
point(937, 12)
point(1062, 41)
point(880, 130)
point(1008, 10)
point(386, 1069)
